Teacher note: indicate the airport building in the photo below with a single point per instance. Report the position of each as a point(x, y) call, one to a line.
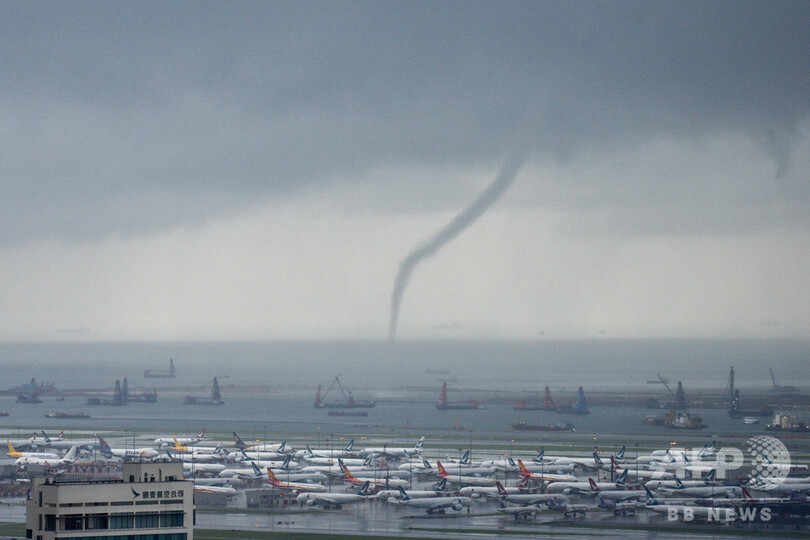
point(151, 501)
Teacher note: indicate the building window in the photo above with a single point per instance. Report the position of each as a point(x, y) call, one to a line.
point(98, 522)
point(146, 520)
point(50, 523)
point(72, 523)
point(171, 519)
point(122, 521)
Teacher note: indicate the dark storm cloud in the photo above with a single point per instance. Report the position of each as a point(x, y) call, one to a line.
point(133, 117)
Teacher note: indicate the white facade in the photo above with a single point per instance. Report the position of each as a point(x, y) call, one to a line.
point(151, 502)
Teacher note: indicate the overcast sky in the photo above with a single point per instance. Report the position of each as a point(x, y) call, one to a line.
point(260, 170)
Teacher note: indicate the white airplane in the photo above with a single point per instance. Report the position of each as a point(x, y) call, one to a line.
point(567, 508)
point(586, 487)
point(643, 473)
point(387, 495)
point(328, 462)
point(254, 473)
point(386, 483)
point(333, 500)
point(526, 498)
point(215, 489)
point(616, 494)
point(281, 448)
point(454, 468)
point(68, 459)
point(433, 504)
point(211, 468)
point(703, 491)
point(308, 452)
point(541, 465)
point(464, 480)
point(545, 477)
point(185, 441)
point(658, 484)
point(293, 486)
point(492, 492)
point(620, 507)
point(391, 451)
point(135, 453)
point(785, 488)
point(416, 467)
point(12, 452)
point(519, 511)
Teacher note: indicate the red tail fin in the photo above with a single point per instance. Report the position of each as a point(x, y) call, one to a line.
point(442, 471)
point(272, 477)
point(615, 465)
point(524, 482)
point(501, 491)
point(594, 487)
point(746, 495)
point(523, 470)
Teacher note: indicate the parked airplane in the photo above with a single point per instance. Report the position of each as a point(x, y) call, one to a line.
point(417, 467)
point(526, 498)
point(229, 491)
point(703, 491)
point(135, 453)
point(185, 441)
point(394, 451)
point(520, 512)
point(434, 504)
point(615, 494)
point(568, 509)
point(293, 486)
point(328, 453)
point(385, 483)
point(68, 459)
point(545, 477)
point(492, 492)
point(586, 487)
point(12, 452)
point(657, 484)
point(333, 500)
point(464, 479)
point(619, 507)
point(388, 494)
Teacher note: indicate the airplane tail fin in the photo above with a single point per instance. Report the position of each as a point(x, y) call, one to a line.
point(678, 483)
point(350, 445)
point(61, 434)
point(650, 497)
point(501, 491)
point(364, 491)
point(238, 442)
point(539, 457)
point(309, 450)
point(593, 485)
point(442, 471)
point(71, 455)
point(345, 469)
point(622, 480)
point(615, 464)
point(286, 462)
point(256, 469)
point(711, 476)
point(597, 459)
point(465, 459)
point(45, 437)
point(282, 447)
point(746, 495)
point(272, 477)
point(11, 451)
point(404, 496)
point(426, 464)
point(620, 453)
point(418, 445)
point(524, 483)
point(367, 461)
point(105, 447)
point(201, 434)
point(523, 470)
point(442, 485)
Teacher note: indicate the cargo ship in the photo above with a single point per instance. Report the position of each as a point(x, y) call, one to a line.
point(347, 413)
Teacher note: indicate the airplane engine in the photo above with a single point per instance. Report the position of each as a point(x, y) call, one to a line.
point(475, 495)
point(457, 507)
point(310, 502)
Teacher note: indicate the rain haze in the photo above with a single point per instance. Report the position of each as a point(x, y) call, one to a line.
point(263, 171)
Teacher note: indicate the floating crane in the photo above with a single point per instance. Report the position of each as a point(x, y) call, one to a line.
point(782, 389)
point(350, 403)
